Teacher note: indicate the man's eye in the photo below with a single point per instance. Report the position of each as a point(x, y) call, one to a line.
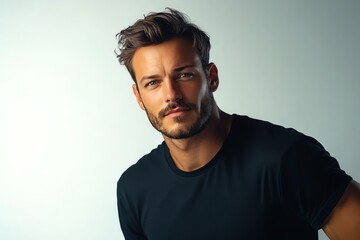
point(186, 75)
point(151, 83)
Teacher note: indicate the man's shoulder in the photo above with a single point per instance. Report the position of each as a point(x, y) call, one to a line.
point(266, 140)
point(146, 166)
point(263, 130)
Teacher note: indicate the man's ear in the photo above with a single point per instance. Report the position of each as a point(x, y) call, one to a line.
point(213, 77)
point(138, 97)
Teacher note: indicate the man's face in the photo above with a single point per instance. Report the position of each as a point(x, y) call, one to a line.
point(173, 88)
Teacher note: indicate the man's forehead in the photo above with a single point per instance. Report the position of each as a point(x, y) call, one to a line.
point(168, 56)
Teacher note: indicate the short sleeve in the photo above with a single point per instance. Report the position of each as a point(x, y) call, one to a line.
point(312, 181)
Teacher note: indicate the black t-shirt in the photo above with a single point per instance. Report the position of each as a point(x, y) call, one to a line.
point(266, 182)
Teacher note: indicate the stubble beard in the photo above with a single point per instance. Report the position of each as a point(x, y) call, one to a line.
point(207, 107)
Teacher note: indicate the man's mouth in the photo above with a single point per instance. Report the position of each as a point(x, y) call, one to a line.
point(177, 110)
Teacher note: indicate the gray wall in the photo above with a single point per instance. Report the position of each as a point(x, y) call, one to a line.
point(69, 125)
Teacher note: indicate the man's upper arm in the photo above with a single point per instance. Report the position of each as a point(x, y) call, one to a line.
point(128, 221)
point(344, 220)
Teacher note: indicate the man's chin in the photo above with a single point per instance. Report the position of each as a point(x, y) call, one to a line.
point(177, 135)
point(182, 132)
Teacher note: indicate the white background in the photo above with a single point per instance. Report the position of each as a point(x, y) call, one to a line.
point(69, 125)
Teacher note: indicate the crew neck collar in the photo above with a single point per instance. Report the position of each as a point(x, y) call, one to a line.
point(207, 166)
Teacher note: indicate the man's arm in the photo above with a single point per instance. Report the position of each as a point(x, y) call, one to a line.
point(344, 221)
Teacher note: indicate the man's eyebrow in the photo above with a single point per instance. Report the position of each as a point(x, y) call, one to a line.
point(147, 77)
point(179, 69)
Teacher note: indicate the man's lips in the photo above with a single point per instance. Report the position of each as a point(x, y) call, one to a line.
point(176, 110)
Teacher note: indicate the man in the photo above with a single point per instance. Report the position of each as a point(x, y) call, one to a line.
point(219, 176)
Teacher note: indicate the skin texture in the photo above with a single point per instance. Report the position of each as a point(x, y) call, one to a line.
point(344, 221)
point(177, 95)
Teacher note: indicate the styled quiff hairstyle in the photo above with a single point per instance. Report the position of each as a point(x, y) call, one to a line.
point(156, 28)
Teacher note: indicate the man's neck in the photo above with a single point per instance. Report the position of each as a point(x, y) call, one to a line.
point(193, 153)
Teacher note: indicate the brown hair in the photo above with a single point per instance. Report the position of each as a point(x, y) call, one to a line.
point(156, 28)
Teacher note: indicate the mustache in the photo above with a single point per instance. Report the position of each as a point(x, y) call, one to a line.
point(176, 104)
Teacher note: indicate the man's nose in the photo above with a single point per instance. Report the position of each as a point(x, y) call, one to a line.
point(171, 90)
